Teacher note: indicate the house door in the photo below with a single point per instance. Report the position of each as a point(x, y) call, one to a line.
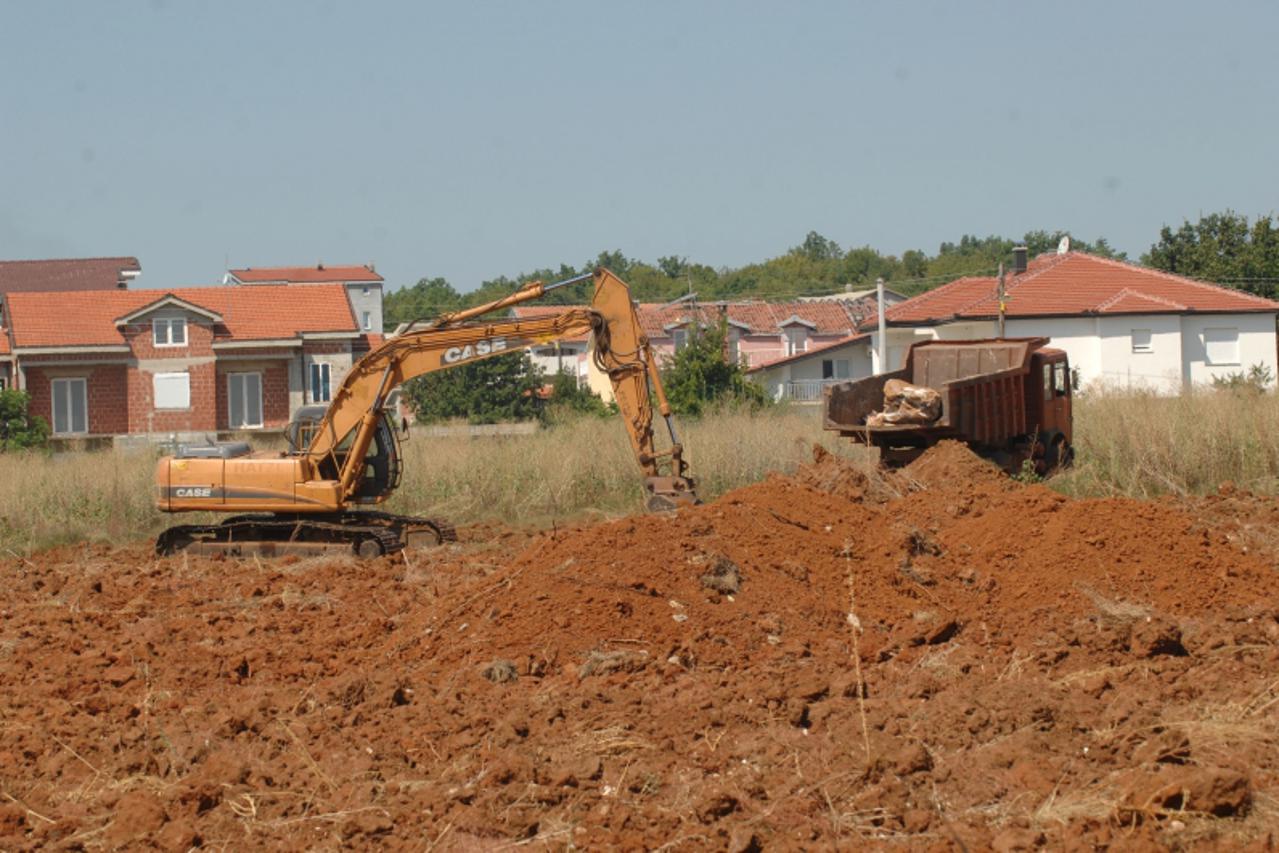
point(244, 400)
point(70, 407)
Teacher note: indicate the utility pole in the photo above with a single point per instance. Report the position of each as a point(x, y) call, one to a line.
point(883, 326)
point(1003, 299)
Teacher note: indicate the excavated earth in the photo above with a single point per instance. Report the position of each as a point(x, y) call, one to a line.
point(940, 659)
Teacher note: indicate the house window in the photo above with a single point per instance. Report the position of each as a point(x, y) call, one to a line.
point(4, 383)
point(1142, 341)
point(320, 387)
point(169, 332)
point(172, 390)
point(244, 400)
point(834, 368)
point(734, 348)
point(1221, 346)
point(70, 406)
point(796, 339)
point(680, 337)
point(366, 290)
point(367, 320)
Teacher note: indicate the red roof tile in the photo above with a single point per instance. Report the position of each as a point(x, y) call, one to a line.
point(4, 342)
point(799, 356)
point(760, 318)
point(318, 274)
point(66, 274)
point(88, 318)
point(1073, 284)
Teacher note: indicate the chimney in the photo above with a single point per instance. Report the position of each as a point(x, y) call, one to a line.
point(1019, 260)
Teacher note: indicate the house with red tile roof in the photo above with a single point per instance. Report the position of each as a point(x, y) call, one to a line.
point(1120, 323)
point(197, 360)
point(363, 287)
point(68, 274)
point(758, 334)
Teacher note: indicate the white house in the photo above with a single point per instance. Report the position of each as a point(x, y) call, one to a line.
point(801, 377)
point(1120, 324)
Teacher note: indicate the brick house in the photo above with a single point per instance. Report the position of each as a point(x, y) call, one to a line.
point(363, 287)
point(59, 274)
point(188, 361)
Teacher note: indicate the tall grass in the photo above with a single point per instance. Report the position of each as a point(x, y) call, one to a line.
point(581, 467)
point(1142, 445)
point(1135, 445)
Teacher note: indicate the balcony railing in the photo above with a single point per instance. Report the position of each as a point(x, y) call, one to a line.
point(806, 390)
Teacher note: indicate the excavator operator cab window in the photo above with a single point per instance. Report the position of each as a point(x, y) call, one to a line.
point(381, 463)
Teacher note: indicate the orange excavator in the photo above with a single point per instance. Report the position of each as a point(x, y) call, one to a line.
point(348, 454)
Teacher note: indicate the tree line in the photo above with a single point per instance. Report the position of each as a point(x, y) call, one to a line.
point(1224, 248)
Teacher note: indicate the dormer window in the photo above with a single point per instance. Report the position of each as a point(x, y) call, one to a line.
point(169, 331)
point(796, 339)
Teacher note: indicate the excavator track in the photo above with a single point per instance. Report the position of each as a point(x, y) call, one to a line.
point(364, 533)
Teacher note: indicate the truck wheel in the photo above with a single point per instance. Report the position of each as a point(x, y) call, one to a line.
point(1059, 454)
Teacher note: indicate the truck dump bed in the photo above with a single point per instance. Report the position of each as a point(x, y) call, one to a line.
point(983, 385)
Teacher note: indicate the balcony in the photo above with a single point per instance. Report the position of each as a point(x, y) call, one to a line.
point(806, 390)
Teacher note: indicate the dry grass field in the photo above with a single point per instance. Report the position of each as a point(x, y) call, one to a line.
point(1130, 445)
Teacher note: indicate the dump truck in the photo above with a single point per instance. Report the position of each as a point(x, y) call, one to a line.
point(1009, 399)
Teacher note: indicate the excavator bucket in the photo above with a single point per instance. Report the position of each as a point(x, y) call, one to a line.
point(669, 493)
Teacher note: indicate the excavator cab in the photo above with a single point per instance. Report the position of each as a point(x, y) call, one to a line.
point(382, 464)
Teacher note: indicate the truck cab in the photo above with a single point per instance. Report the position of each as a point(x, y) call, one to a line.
point(1048, 405)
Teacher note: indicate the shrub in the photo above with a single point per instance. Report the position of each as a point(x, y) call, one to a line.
point(699, 375)
point(19, 429)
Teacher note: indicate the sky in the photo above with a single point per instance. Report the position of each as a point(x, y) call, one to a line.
point(476, 139)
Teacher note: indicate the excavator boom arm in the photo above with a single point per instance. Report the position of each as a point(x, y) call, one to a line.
point(620, 350)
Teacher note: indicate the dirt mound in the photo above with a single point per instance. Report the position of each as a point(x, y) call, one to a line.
point(844, 478)
point(951, 465)
point(821, 660)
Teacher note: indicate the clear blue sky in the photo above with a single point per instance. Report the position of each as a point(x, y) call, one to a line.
point(476, 139)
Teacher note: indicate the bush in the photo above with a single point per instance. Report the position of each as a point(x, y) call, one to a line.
point(569, 399)
point(19, 429)
point(699, 375)
point(1259, 378)
point(483, 392)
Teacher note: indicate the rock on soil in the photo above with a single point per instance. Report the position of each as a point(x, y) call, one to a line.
point(834, 659)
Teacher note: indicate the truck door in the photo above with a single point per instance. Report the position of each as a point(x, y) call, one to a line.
point(1057, 394)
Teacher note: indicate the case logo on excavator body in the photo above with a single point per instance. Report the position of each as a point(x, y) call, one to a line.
point(488, 346)
point(193, 492)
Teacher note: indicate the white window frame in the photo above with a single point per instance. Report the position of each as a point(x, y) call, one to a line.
point(792, 345)
point(168, 324)
point(835, 369)
point(1143, 341)
point(323, 371)
point(184, 393)
point(1231, 332)
point(61, 388)
point(244, 402)
point(367, 321)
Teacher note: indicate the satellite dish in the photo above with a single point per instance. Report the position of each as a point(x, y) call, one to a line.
point(1064, 246)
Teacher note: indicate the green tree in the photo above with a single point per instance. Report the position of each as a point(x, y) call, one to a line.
point(428, 298)
point(1222, 248)
point(569, 399)
point(19, 429)
point(699, 375)
point(488, 391)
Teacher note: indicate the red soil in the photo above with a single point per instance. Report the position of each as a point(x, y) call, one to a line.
point(937, 659)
